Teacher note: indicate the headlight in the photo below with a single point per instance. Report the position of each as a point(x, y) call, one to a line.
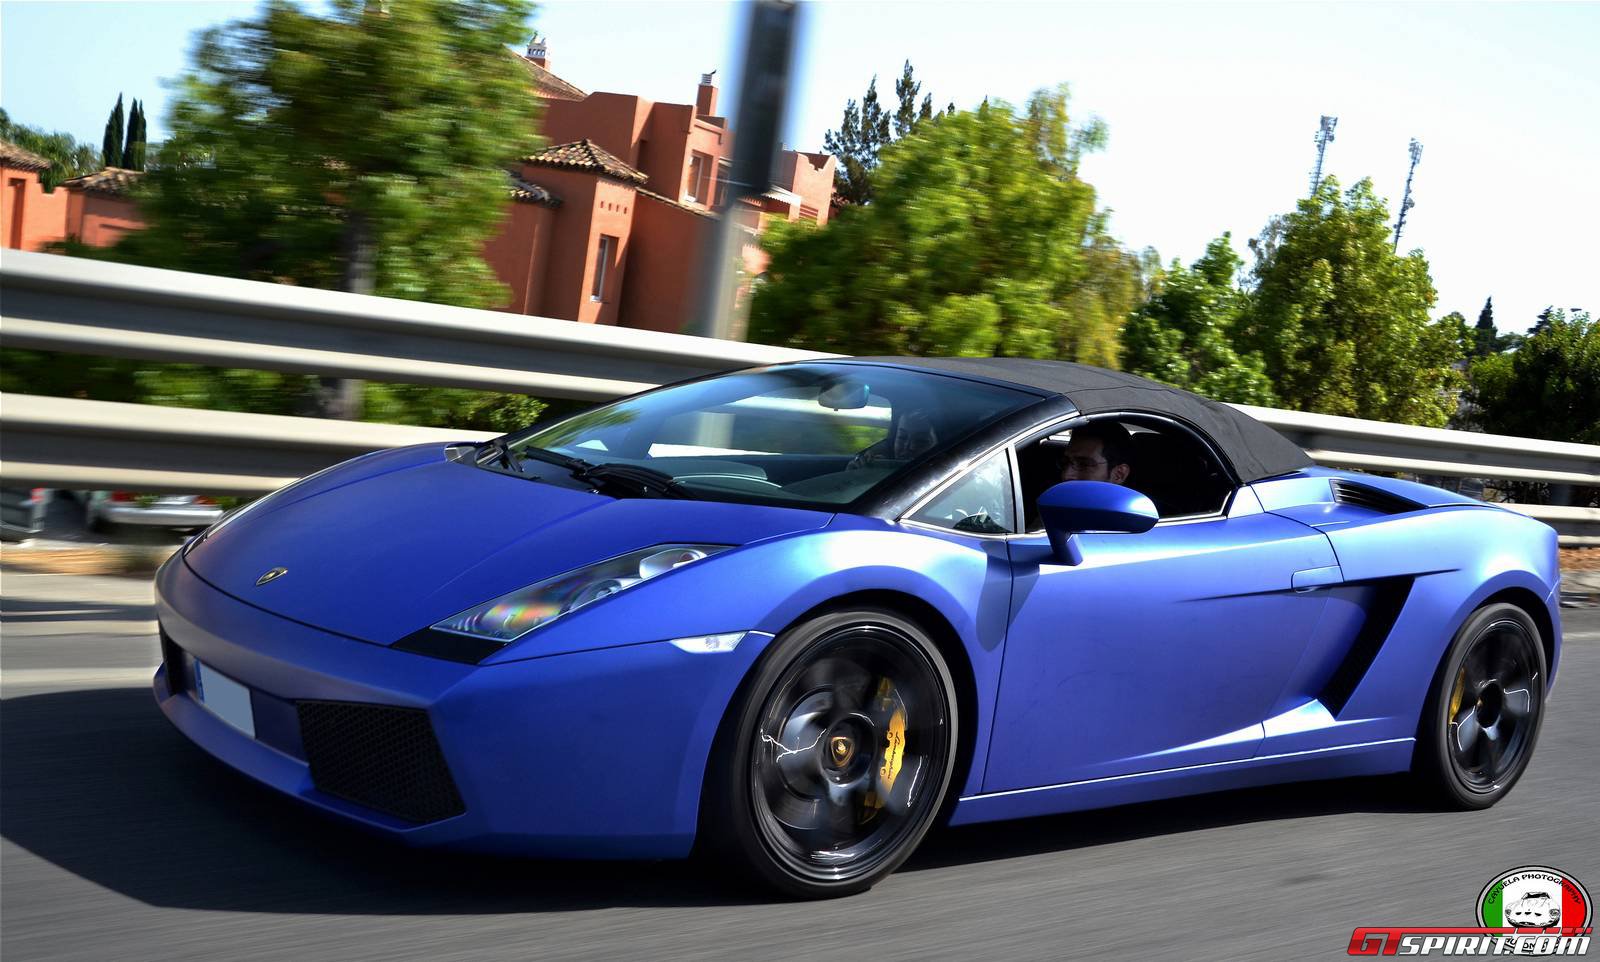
point(509, 617)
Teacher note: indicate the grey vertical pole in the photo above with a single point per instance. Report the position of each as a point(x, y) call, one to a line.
point(763, 94)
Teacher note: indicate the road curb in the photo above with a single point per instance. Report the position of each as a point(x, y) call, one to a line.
point(125, 560)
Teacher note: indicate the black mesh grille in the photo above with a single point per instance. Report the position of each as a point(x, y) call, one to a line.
point(1346, 492)
point(172, 657)
point(378, 756)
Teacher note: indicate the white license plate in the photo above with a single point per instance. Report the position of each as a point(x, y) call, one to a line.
point(227, 699)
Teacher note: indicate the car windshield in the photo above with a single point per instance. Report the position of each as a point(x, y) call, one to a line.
point(808, 435)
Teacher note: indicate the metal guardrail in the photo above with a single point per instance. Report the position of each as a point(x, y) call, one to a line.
point(48, 302)
point(71, 443)
point(55, 303)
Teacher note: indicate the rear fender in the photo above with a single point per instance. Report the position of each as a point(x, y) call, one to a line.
point(1459, 557)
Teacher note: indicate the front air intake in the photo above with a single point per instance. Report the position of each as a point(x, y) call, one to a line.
point(1361, 496)
point(172, 657)
point(379, 756)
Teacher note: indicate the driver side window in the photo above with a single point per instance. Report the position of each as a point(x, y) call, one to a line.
point(1165, 463)
point(982, 502)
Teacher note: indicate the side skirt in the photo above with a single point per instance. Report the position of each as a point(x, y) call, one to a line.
point(1340, 761)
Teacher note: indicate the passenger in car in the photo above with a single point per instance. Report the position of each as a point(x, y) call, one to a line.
point(1099, 451)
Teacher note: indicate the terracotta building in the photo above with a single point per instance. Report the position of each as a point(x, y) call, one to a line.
point(94, 209)
point(608, 225)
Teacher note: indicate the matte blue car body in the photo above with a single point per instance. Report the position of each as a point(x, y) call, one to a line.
point(1187, 658)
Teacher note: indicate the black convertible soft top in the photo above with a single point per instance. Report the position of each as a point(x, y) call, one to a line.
point(1255, 450)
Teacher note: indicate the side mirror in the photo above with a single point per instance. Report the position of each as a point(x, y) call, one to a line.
point(1074, 507)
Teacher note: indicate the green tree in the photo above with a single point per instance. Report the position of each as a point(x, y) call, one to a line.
point(868, 128)
point(362, 150)
point(111, 148)
point(1342, 321)
point(1183, 335)
point(908, 114)
point(1484, 335)
point(133, 152)
point(975, 244)
point(1548, 387)
point(68, 158)
point(861, 135)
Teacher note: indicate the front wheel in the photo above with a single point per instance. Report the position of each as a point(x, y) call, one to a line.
point(835, 761)
point(1483, 715)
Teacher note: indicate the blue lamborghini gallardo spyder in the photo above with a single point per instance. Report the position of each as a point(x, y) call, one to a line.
point(795, 616)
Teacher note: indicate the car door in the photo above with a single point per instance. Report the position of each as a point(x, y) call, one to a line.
point(1160, 650)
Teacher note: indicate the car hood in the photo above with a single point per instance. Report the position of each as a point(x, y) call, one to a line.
point(384, 546)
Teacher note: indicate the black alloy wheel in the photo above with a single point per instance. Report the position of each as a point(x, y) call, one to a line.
point(842, 753)
point(1485, 709)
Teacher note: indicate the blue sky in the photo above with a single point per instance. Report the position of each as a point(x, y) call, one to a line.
point(1211, 106)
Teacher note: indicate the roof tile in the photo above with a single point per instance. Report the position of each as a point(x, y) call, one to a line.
point(113, 181)
point(548, 85)
point(20, 158)
point(587, 155)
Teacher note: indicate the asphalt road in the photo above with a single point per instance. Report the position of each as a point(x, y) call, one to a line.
point(120, 840)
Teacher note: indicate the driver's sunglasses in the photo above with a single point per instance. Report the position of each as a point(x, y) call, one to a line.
point(1081, 465)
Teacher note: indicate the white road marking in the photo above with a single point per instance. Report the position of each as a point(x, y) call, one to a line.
point(77, 677)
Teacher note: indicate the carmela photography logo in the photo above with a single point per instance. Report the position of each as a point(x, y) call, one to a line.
point(1528, 911)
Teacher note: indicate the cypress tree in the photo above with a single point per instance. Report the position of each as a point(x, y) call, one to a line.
point(133, 153)
point(1484, 336)
point(111, 148)
point(132, 135)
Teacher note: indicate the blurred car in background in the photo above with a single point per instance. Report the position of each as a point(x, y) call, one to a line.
point(22, 512)
point(103, 509)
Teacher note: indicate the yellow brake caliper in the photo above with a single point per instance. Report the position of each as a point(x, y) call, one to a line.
point(1455, 696)
point(894, 750)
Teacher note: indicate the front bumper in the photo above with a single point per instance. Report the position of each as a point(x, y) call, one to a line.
point(591, 754)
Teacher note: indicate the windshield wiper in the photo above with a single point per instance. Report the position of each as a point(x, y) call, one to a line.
point(639, 480)
point(548, 456)
point(632, 479)
point(499, 453)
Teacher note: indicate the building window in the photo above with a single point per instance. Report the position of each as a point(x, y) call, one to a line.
point(699, 178)
point(602, 264)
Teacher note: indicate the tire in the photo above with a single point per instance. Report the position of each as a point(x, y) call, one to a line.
point(836, 757)
point(1484, 710)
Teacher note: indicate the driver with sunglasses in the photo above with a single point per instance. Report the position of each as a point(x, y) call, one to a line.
point(1098, 451)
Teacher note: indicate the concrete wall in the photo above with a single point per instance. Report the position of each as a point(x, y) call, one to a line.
point(810, 176)
point(29, 217)
point(518, 255)
point(591, 206)
point(614, 121)
point(713, 141)
point(99, 220)
point(664, 264)
point(655, 138)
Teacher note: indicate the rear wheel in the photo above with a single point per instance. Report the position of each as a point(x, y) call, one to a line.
point(1483, 714)
point(836, 760)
